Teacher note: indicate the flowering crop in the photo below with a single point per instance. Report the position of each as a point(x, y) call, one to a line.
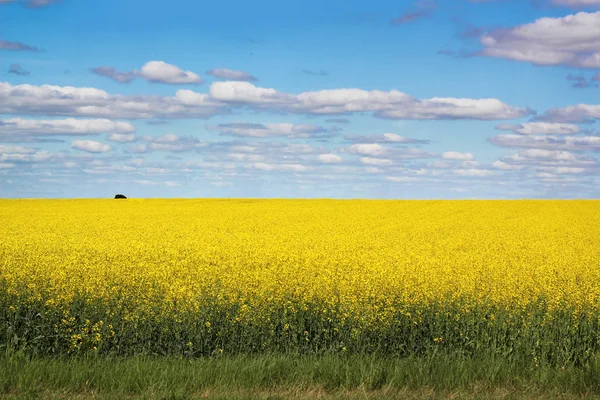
point(204, 277)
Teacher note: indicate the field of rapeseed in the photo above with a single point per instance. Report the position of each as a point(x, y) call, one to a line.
point(208, 277)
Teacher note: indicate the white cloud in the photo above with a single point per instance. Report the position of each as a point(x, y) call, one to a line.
point(392, 104)
point(244, 92)
point(266, 130)
point(167, 142)
point(90, 146)
point(166, 138)
point(161, 72)
point(469, 164)
point(69, 126)
point(573, 40)
point(472, 172)
point(577, 143)
point(109, 169)
point(578, 113)
point(395, 138)
point(37, 157)
point(453, 155)
point(279, 167)
point(330, 158)
point(384, 138)
point(563, 170)
point(231, 75)
point(91, 102)
point(375, 161)
point(369, 149)
point(121, 137)
point(504, 166)
point(556, 155)
point(541, 128)
point(452, 108)
point(550, 158)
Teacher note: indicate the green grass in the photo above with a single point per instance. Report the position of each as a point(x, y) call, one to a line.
point(286, 376)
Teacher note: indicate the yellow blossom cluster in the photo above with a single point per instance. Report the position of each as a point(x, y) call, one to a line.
point(205, 276)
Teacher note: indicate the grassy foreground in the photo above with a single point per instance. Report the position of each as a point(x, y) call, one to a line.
point(287, 376)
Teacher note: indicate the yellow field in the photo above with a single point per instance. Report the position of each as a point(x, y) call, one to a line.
point(210, 276)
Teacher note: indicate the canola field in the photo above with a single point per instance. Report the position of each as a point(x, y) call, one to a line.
point(244, 276)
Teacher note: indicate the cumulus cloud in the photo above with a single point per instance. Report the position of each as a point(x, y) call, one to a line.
point(167, 142)
point(267, 130)
point(541, 128)
point(121, 137)
point(453, 155)
point(375, 161)
point(152, 71)
point(563, 170)
point(376, 150)
point(17, 129)
point(69, 126)
point(279, 167)
point(369, 149)
point(231, 75)
point(393, 104)
point(541, 154)
point(582, 113)
point(550, 158)
point(92, 102)
point(505, 166)
point(384, 138)
point(245, 92)
point(29, 157)
point(90, 146)
point(576, 143)
point(548, 165)
point(88, 102)
point(573, 40)
point(161, 72)
point(330, 158)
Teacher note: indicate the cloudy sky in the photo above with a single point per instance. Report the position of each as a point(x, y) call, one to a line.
point(336, 99)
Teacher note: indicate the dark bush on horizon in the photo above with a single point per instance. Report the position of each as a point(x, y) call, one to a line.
point(120, 196)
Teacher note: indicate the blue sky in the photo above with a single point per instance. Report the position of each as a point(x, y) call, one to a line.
point(338, 99)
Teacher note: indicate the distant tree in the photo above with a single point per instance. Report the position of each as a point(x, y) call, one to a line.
point(120, 196)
